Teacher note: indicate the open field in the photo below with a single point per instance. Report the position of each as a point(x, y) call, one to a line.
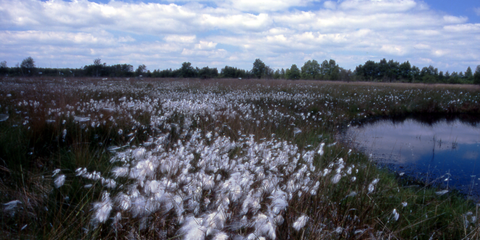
point(215, 159)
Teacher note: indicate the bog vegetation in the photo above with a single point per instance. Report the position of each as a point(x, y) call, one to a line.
point(214, 159)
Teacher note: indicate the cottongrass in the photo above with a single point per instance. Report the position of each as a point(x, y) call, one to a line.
point(395, 214)
point(371, 186)
point(441, 192)
point(102, 209)
point(10, 207)
point(300, 223)
point(211, 193)
point(59, 181)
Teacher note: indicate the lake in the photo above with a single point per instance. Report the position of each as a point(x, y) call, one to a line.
point(445, 152)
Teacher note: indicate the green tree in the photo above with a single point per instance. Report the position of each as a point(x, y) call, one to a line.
point(392, 70)
point(476, 76)
point(382, 68)
point(276, 75)
point(97, 69)
point(282, 74)
point(3, 68)
point(268, 72)
point(334, 70)
point(469, 74)
point(311, 70)
point(346, 75)
point(405, 69)
point(415, 74)
point(28, 63)
point(120, 70)
point(325, 70)
point(28, 66)
point(141, 70)
point(429, 74)
point(232, 72)
point(293, 72)
point(207, 72)
point(187, 71)
point(258, 69)
point(441, 77)
point(454, 78)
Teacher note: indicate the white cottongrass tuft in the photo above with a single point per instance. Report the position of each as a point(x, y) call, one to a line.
point(120, 171)
point(440, 193)
point(59, 181)
point(10, 207)
point(301, 222)
point(264, 226)
point(102, 209)
point(371, 186)
point(320, 149)
point(336, 178)
point(80, 171)
point(352, 194)
point(220, 236)
point(395, 214)
point(296, 131)
point(55, 172)
point(192, 229)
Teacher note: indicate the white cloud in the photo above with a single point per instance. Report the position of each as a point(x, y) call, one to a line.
point(236, 23)
point(101, 38)
point(454, 20)
point(466, 28)
point(180, 38)
point(330, 5)
point(368, 6)
point(205, 45)
point(264, 5)
point(227, 32)
point(477, 11)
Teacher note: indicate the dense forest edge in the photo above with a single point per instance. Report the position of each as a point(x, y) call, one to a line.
point(382, 71)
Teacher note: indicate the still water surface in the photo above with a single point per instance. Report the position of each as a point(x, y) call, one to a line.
point(446, 153)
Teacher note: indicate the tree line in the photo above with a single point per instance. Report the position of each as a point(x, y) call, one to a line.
point(393, 71)
point(385, 71)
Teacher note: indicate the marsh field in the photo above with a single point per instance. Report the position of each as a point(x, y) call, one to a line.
point(85, 158)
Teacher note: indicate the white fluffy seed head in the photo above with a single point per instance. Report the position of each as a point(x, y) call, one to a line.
point(300, 222)
point(102, 209)
point(55, 172)
point(395, 214)
point(336, 178)
point(59, 181)
point(371, 188)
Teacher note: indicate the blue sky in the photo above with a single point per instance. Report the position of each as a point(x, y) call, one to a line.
point(215, 33)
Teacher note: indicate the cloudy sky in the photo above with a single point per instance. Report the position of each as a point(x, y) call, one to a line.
point(163, 34)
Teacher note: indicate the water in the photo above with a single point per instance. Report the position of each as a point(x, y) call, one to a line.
point(442, 152)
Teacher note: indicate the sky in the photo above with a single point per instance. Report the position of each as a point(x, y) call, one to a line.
point(218, 33)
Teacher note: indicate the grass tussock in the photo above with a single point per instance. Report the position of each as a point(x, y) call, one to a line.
point(214, 159)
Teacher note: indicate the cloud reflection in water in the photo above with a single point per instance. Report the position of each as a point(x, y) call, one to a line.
point(422, 150)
